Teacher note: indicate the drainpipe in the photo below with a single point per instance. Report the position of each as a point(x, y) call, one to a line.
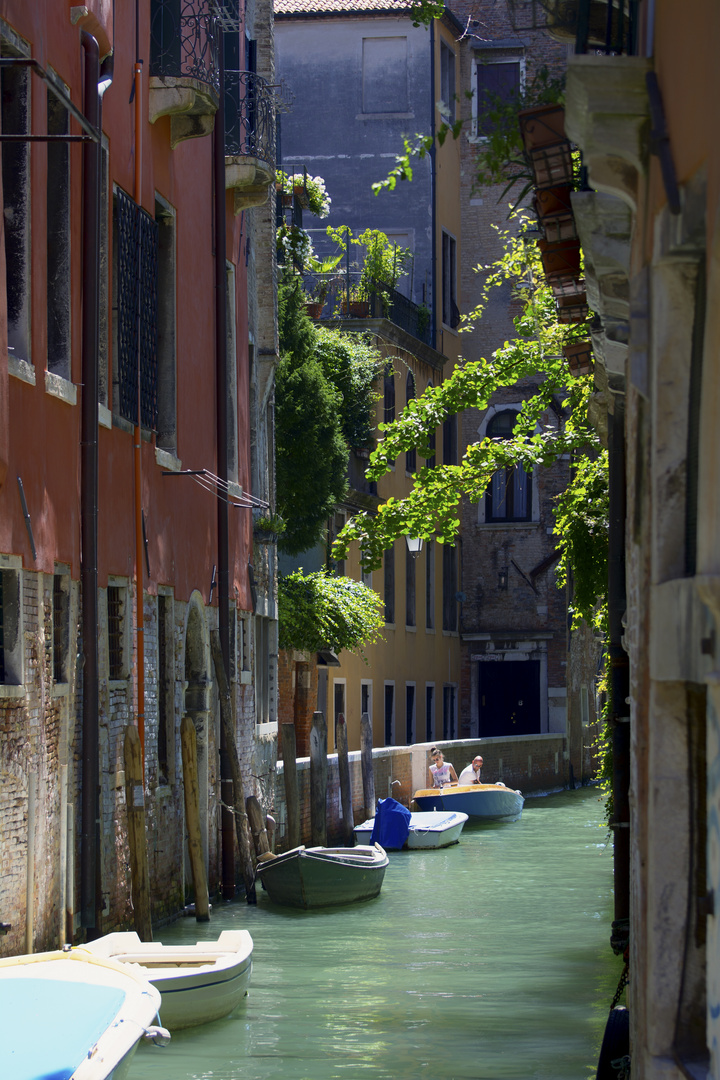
point(89, 894)
point(433, 225)
point(137, 444)
point(223, 561)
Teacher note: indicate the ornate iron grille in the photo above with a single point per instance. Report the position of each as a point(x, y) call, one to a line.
point(184, 41)
point(249, 116)
point(115, 632)
point(137, 260)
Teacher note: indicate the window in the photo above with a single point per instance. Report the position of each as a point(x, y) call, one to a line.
point(166, 327)
point(166, 690)
point(58, 241)
point(509, 496)
point(429, 711)
point(409, 714)
point(447, 80)
point(449, 712)
point(338, 704)
point(450, 441)
point(103, 319)
point(498, 80)
point(410, 455)
point(14, 120)
point(389, 712)
point(365, 575)
point(135, 283)
point(430, 585)
point(584, 706)
point(449, 587)
point(366, 699)
point(11, 657)
point(116, 597)
point(243, 646)
point(409, 588)
point(384, 75)
point(389, 583)
point(232, 392)
point(61, 627)
point(389, 395)
point(450, 312)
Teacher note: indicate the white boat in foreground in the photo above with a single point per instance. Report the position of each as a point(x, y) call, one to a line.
point(198, 983)
point(427, 829)
point(481, 802)
point(69, 1015)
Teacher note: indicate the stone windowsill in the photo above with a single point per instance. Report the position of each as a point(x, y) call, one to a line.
point(61, 388)
point(166, 460)
point(12, 691)
point(21, 369)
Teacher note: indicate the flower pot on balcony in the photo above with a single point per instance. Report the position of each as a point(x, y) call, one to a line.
point(543, 125)
point(567, 285)
point(573, 310)
point(579, 357)
point(560, 259)
point(314, 308)
point(356, 309)
point(554, 211)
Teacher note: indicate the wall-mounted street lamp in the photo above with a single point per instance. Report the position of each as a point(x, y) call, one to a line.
point(503, 577)
point(414, 544)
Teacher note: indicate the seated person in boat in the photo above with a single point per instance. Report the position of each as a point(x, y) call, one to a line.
point(471, 772)
point(441, 771)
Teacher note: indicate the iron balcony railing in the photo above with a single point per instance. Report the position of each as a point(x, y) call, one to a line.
point(184, 41)
point(343, 295)
point(249, 117)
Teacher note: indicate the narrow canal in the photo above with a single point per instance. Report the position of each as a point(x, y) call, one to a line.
point(487, 960)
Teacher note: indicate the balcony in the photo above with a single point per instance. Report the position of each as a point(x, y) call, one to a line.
point(340, 296)
point(184, 70)
point(249, 138)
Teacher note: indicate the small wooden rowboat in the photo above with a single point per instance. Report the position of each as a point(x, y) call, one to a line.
point(481, 802)
point(323, 877)
point(69, 1015)
point(198, 983)
point(427, 829)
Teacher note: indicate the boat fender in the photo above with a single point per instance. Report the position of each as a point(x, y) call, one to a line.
point(157, 1035)
point(614, 1061)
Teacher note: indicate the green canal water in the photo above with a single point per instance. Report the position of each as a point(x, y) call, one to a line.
point(487, 960)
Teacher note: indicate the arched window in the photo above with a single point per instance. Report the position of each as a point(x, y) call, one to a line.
point(509, 496)
point(410, 455)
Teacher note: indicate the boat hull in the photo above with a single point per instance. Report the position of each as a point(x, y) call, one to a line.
point(324, 877)
point(71, 1015)
point(481, 802)
point(428, 829)
point(198, 983)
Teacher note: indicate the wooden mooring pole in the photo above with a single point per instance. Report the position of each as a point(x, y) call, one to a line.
point(348, 822)
point(366, 764)
point(242, 828)
point(137, 839)
point(191, 790)
point(318, 781)
point(292, 798)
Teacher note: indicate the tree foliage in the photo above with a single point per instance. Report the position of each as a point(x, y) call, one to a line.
point(322, 611)
point(323, 406)
point(552, 422)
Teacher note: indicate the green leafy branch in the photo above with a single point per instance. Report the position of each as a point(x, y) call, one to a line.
point(322, 611)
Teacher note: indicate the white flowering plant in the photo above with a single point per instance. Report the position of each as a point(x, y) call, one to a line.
point(294, 244)
point(318, 200)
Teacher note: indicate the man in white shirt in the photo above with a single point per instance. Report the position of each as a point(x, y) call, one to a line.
point(471, 773)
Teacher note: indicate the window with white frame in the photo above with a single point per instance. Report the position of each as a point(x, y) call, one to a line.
point(430, 585)
point(509, 495)
point(389, 713)
point(265, 670)
point(61, 626)
point(58, 239)
point(166, 326)
point(447, 82)
point(429, 712)
point(409, 713)
point(116, 598)
point(366, 698)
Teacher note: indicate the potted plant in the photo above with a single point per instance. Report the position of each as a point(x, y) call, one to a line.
point(554, 212)
point(267, 527)
point(310, 191)
point(560, 259)
point(322, 282)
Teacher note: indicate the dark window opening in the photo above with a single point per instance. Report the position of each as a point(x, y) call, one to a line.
point(58, 241)
point(450, 441)
point(429, 711)
point(115, 619)
point(15, 93)
point(509, 496)
point(165, 686)
point(166, 322)
point(409, 588)
point(61, 627)
point(389, 714)
point(409, 714)
point(447, 81)
point(410, 455)
point(389, 395)
point(449, 588)
point(450, 310)
point(430, 585)
point(389, 583)
point(497, 84)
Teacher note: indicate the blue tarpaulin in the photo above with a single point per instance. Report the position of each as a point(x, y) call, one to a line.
point(392, 824)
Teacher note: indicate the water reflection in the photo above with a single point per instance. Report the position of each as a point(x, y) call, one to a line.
point(488, 960)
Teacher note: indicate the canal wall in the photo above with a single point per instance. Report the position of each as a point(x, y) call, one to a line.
point(532, 764)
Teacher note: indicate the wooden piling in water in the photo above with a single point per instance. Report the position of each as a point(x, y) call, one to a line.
point(242, 827)
point(137, 838)
point(292, 797)
point(318, 781)
point(348, 821)
point(191, 791)
point(257, 825)
point(366, 765)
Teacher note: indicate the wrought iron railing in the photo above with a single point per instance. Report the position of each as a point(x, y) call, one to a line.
point(184, 41)
point(249, 116)
point(137, 271)
point(344, 295)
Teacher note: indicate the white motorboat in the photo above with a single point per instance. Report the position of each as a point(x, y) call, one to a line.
point(69, 1015)
point(481, 802)
point(427, 829)
point(198, 983)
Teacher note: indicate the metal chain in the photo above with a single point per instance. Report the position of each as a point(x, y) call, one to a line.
point(621, 985)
